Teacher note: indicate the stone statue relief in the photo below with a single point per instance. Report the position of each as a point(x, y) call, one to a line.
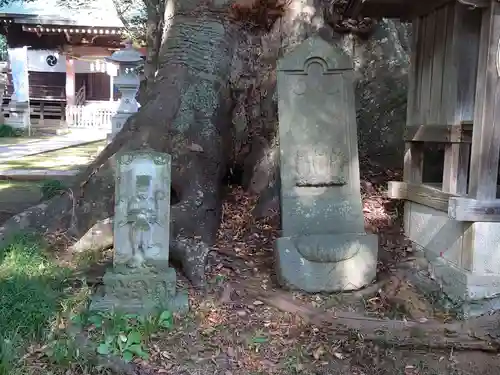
point(142, 216)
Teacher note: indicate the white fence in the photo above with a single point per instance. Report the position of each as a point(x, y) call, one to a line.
point(89, 117)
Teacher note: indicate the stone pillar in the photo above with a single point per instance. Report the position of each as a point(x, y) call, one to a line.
point(127, 82)
point(141, 279)
point(323, 247)
point(19, 110)
point(70, 81)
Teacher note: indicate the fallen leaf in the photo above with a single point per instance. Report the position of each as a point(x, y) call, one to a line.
point(226, 293)
point(338, 355)
point(195, 147)
point(299, 367)
point(318, 353)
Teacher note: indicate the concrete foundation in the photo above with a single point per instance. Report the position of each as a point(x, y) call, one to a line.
point(19, 115)
point(463, 258)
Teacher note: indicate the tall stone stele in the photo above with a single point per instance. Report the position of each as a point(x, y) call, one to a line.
point(127, 82)
point(323, 247)
point(141, 280)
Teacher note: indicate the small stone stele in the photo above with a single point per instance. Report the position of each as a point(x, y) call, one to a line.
point(323, 247)
point(141, 280)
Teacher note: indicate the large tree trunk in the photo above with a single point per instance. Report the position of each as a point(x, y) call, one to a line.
point(188, 115)
point(211, 104)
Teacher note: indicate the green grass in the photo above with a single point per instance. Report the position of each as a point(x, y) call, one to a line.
point(19, 191)
point(64, 159)
point(33, 291)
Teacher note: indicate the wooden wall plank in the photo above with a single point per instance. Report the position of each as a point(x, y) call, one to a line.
point(418, 44)
point(450, 70)
point(486, 131)
point(413, 158)
point(460, 71)
point(436, 113)
point(427, 59)
point(413, 76)
point(468, 60)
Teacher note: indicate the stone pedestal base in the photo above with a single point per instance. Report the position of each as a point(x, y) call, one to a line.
point(140, 291)
point(334, 263)
point(19, 115)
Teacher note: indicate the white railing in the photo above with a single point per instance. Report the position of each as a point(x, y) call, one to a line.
point(90, 117)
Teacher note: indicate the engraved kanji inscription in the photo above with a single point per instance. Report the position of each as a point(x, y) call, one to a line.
point(319, 168)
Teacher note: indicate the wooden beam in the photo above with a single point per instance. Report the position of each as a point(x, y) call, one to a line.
point(486, 135)
point(438, 133)
point(412, 99)
point(354, 8)
point(79, 51)
point(476, 3)
point(419, 193)
point(467, 209)
point(423, 9)
point(406, 10)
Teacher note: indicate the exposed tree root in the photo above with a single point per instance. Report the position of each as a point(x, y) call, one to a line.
point(474, 334)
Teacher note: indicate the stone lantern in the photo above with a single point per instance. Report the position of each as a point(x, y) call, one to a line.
point(127, 82)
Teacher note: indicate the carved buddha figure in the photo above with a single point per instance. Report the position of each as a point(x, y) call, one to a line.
point(142, 215)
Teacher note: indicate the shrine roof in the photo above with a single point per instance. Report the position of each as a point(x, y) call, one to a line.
point(403, 9)
point(87, 13)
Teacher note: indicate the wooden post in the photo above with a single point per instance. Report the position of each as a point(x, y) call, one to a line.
point(486, 131)
point(414, 156)
point(413, 159)
point(462, 41)
point(70, 81)
point(42, 115)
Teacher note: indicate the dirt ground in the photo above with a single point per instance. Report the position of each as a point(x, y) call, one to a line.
point(230, 331)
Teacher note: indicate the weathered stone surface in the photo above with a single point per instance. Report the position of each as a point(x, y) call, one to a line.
point(324, 247)
point(140, 291)
point(141, 279)
point(296, 271)
point(461, 259)
point(19, 115)
point(142, 207)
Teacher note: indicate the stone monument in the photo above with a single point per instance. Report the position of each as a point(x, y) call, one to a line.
point(127, 82)
point(323, 247)
point(141, 279)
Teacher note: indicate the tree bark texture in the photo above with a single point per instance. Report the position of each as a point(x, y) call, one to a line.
point(212, 105)
point(188, 115)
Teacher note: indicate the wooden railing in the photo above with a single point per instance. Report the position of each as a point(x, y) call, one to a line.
point(40, 92)
point(81, 116)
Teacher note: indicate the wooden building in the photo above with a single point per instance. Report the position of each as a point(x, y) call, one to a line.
point(66, 48)
point(453, 100)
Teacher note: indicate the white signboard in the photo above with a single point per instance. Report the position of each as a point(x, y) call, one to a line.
point(18, 59)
